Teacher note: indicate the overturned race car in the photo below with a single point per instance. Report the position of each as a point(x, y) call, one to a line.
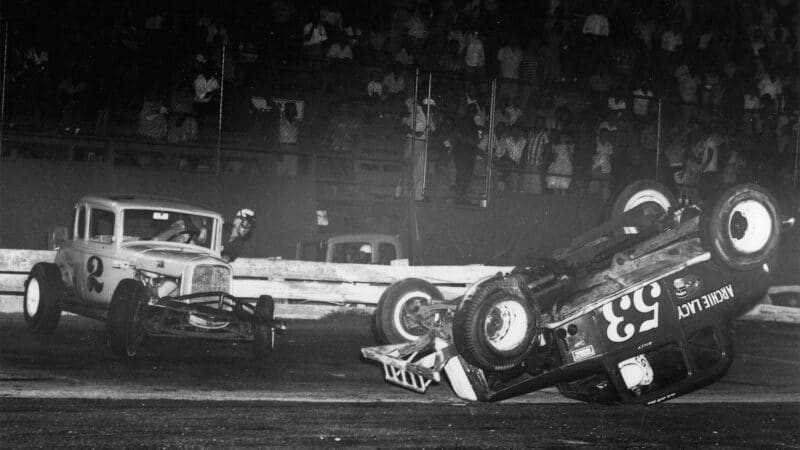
point(637, 310)
point(148, 267)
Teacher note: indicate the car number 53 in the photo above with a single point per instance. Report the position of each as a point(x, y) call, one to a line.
point(624, 322)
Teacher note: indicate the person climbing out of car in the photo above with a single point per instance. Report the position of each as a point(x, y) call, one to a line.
point(235, 234)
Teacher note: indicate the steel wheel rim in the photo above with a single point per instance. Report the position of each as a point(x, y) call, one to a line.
point(406, 315)
point(33, 297)
point(749, 227)
point(506, 325)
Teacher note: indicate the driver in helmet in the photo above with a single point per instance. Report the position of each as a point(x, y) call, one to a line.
point(235, 233)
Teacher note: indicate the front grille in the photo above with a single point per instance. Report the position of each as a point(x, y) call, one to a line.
point(208, 278)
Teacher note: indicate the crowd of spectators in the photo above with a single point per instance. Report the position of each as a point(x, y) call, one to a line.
point(587, 92)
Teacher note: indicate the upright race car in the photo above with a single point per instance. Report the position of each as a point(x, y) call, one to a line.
point(636, 310)
point(147, 267)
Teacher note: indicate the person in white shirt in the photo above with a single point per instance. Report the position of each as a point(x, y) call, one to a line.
point(474, 56)
point(205, 87)
point(509, 56)
point(314, 36)
point(596, 25)
point(641, 99)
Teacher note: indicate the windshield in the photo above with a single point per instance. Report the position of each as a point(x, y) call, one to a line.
point(170, 226)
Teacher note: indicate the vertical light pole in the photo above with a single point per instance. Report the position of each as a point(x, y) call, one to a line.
point(218, 153)
point(658, 139)
point(489, 146)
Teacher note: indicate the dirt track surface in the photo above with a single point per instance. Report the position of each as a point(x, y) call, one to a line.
point(66, 389)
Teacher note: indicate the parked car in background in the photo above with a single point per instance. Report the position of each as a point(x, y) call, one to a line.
point(356, 248)
point(148, 267)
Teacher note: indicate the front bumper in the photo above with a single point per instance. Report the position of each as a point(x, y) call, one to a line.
point(210, 315)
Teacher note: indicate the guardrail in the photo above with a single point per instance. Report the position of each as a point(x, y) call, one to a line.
point(309, 289)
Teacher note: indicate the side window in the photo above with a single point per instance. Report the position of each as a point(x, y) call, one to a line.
point(79, 223)
point(101, 226)
point(352, 253)
point(386, 253)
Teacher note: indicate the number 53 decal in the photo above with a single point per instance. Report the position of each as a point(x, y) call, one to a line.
point(624, 322)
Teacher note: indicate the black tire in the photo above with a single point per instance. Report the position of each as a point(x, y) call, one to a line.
point(476, 336)
point(41, 304)
point(655, 195)
point(263, 334)
point(124, 326)
point(396, 318)
point(742, 230)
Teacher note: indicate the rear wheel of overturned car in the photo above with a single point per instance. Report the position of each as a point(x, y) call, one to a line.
point(494, 329)
point(41, 305)
point(742, 230)
point(652, 196)
point(125, 325)
point(263, 331)
point(400, 316)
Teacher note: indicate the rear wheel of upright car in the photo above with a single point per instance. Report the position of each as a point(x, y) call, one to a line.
point(742, 230)
point(263, 332)
point(399, 317)
point(125, 325)
point(41, 305)
point(495, 328)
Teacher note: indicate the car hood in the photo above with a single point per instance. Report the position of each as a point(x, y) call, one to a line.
point(170, 259)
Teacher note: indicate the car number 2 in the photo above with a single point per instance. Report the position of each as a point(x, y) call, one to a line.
point(622, 326)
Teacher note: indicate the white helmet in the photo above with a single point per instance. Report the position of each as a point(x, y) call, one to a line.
point(248, 217)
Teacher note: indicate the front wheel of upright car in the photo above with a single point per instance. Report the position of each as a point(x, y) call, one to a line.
point(125, 326)
point(41, 305)
point(742, 230)
point(263, 331)
point(401, 316)
point(495, 328)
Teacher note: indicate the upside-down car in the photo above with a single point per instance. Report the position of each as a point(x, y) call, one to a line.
point(637, 310)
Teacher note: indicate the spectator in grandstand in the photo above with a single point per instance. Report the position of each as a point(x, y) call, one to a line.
point(559, 173)
point(394, 83)
point(533, 158)
point(71, 99)
point(510, 147)
point(206, 86)
point(314, 37)
point(601, 165)
point(529, 72)
point(509, 57)
point(688, 85)
point(474, 56)
point(642, 96)
point(751, 117)
point(462, 140)
point(153, 120)
point(671, 44)
point(374, 86)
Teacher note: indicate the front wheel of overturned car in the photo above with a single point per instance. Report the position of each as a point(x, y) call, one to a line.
point(263, 331)
point(742, 230)
point(494, 329)
point(400, 317)
point(41, 305)
point(125, 326)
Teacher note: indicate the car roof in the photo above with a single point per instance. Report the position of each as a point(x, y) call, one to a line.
point(125, 201)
